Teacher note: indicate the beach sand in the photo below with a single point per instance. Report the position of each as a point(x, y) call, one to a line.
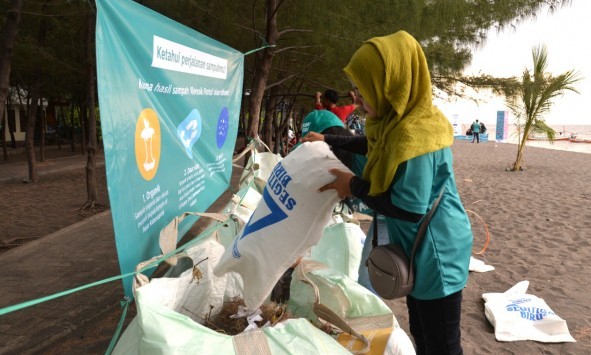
point(539, 222)
point(34, 210)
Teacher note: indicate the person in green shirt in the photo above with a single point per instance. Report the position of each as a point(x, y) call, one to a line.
point(475, 131)
point(409, 162)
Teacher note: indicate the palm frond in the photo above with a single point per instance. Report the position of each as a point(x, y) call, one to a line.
point(538, 91)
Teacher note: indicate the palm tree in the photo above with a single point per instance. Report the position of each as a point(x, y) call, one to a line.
point(534, 98)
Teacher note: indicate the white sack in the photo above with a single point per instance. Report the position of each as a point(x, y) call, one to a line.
point(258, 168)
point(517, 315)
point(479, 265)
point(286, 223)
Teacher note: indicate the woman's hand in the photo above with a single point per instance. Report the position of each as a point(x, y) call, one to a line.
point(341, 184)
point(313, 137)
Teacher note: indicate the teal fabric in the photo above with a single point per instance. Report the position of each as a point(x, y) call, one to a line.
point(444, 255)
point(320, 120)
point(475, 127)
point(170, 103)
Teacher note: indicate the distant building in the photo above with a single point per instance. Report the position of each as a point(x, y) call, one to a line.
point(16, 117)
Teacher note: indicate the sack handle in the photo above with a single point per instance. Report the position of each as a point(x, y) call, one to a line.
point(169, 234)
point(420, 234)
point(329, 315)
point(168, 242)
point(250, 147)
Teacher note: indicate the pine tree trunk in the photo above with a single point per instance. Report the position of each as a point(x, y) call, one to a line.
point(35, 99)
point(59, 127)
point(42, 140)
point(72, 127)
point(270, 111)
point(11, 129)
point(3, 133)
point(9, 33)
point(91, 189)
point(30, 133)
point(262, 71)
point(83, 126)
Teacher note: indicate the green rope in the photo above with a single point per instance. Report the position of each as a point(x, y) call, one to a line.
point(125, 305)
point(127, 300)
point(258, 49)
point(27, 304)
point(153, 264)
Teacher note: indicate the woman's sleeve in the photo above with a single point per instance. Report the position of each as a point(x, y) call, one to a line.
point(382, 203)
point(353, 144)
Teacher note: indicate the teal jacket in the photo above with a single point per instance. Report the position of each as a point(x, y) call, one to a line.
point(442, 259)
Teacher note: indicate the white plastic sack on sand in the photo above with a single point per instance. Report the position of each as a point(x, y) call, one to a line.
point(517, 315)
point(286, 223)
point(479, 265)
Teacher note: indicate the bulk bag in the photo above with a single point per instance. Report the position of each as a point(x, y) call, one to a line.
point(287, 222)
point(313, 281)
point(259, 166)
point(340, 247)
point(368, 323)
point(170, 310)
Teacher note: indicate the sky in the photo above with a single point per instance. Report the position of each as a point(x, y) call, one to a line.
point(509, 52)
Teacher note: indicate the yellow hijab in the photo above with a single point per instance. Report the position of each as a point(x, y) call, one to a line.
point(392, 76)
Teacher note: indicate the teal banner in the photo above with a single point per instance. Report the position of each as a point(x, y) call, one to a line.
point(169, 106)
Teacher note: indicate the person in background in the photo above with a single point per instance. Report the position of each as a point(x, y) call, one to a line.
point(475, 131)
point(355, 125)
point(409, 162)
point(329, 102)
point(323, 121)
point(482, 128)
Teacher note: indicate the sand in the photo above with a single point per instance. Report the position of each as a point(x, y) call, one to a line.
point(34, 210)
point(539, 222)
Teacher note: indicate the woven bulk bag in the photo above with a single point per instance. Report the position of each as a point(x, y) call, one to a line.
point(170, 312)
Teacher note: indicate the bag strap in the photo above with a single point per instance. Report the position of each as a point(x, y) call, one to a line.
point(374, 240)
point(251, 343)
point(420, 234)
point(252, 146)
point(169, 234)
point(168, 243)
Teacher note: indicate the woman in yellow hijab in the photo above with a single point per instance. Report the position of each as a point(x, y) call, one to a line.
point(409, 162)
